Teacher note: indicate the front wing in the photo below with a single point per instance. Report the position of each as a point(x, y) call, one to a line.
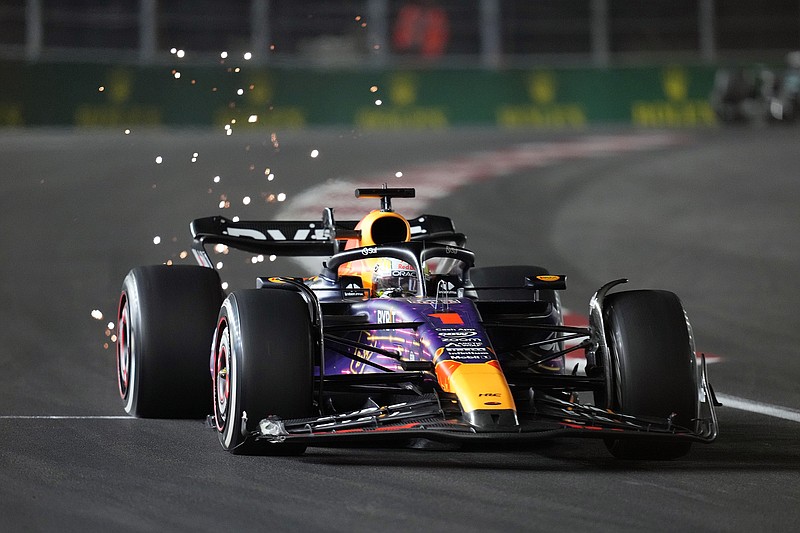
point(425, 418)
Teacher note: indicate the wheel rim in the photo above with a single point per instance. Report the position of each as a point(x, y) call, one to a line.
point(222, 381)
point(124, 359)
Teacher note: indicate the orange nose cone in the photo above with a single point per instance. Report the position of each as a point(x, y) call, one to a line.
point(477, 385)
point(444, 370)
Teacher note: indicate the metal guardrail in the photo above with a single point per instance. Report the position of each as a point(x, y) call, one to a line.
point(325, 33)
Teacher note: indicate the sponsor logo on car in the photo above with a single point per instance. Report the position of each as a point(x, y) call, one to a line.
point(448, 318)
point(384, 316)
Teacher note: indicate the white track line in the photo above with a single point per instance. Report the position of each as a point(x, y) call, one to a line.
point(774, 411)
point(63, 417)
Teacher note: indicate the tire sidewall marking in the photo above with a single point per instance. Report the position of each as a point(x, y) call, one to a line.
point(123, 348)
point(232, 418)
point(132, 305)
point(222, 348)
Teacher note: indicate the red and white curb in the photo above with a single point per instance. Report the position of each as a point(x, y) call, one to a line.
point(441, 178)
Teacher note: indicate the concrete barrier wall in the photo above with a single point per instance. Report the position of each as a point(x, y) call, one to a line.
point(94, 95)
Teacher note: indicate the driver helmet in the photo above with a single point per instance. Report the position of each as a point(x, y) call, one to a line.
point(393, 277)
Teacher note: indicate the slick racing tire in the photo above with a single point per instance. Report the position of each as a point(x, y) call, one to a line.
point(655, 368)
point(165, 321)
point(262, 365)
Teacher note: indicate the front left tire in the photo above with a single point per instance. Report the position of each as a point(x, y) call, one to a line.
point(655, 368)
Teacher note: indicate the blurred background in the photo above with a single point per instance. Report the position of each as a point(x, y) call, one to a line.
point(425, 63)
point(489, 33)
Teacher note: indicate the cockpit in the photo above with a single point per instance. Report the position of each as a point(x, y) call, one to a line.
point(381, 260)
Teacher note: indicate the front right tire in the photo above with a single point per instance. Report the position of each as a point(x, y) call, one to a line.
point(263, 357)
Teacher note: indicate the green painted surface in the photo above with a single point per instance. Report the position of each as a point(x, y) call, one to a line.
point(93, 95)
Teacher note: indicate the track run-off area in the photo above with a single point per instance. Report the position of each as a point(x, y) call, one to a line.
point(712, 215)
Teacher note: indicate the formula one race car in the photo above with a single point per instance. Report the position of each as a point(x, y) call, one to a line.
point(402, 338)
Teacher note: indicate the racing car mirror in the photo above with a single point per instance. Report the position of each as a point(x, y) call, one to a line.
point(546, 281)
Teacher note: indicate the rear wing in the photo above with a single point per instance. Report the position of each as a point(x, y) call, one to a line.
point(302, 238)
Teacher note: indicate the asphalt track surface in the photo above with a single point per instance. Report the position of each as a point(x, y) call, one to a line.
point(712, 216)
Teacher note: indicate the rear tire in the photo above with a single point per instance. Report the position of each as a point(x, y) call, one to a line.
point(165, 319)
point(655, 368)
point(263, 365)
